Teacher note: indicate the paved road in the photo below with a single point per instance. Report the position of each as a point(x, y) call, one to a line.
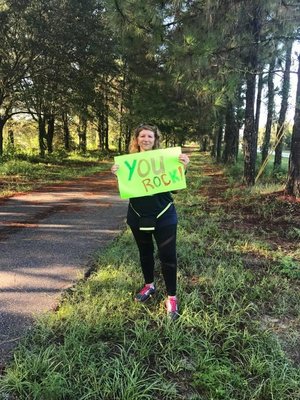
point(48, 239)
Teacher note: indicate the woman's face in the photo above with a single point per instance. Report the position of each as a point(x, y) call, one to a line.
point(146, 140)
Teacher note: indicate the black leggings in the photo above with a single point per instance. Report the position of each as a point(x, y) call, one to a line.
point(165, 238)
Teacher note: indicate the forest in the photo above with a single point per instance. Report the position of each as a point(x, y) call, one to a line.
point(219, 78)
point(82, 74)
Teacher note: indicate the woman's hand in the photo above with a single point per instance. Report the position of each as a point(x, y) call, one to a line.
point(114, 169)
point(184, 159)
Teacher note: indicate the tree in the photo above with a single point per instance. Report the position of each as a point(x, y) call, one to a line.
point(293, 182)
point(284, 104)
point(260, 86)
point(231, 136)
point(218, 129)
point(250, 137)
point(271, 94)
point(74, 53)
point(15, 58)
point(181, 65)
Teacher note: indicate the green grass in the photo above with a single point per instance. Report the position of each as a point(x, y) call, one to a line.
point(25, 172)
point(100, 344)
point(268, 181)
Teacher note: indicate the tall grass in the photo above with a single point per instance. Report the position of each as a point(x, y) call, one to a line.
point(100, 344)
point(269, 180)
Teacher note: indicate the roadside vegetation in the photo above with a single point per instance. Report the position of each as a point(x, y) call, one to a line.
point(23, 172)
point(238, 337)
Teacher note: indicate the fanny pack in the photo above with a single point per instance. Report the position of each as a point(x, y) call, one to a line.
point(148, 223)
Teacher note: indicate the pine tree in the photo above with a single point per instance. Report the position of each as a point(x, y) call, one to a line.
point(271, 94)
point(284, 105)
point(293, 182)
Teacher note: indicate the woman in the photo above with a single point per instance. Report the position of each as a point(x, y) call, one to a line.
point(160, 210)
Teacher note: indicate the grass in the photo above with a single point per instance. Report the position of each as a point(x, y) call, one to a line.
point(23, 172)
point(237, 336)
point(268, 181)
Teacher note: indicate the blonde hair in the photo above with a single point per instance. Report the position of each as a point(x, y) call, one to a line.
point(134, 147)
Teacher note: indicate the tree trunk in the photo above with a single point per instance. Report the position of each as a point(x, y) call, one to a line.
point(293, 182)
point(267, 136)
point(106, 128)
point(102, 128)
point(122, 111)
point(249, 133)
point(82, 133)
point(50, 133)
point(100, 132)
point(250, 137)
point(284, 104)
point(218, 137)
point(219, 142)
point(11, 138)
point(231, 136)
point(203, 144)
point(106, 122)
point(2, 123)
point(127, 133)
point(42, 134)
point(258, 101)
point(213, 151)
point(67, 144)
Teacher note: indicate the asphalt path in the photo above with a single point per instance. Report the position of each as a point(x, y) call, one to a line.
point(48, 240)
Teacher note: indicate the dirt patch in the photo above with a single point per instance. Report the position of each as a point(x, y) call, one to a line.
point(215, 191)
point(274, 215)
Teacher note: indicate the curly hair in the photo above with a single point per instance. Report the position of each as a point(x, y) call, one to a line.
point(134, 147)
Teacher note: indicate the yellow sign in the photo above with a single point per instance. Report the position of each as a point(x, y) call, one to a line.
point(150, 172)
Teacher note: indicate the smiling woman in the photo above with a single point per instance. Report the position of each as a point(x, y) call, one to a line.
point(146, 137)
point(154, 215)
point(146, 140)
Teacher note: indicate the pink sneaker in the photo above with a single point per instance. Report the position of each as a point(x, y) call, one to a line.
point(145, 293)
point(172, 307)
